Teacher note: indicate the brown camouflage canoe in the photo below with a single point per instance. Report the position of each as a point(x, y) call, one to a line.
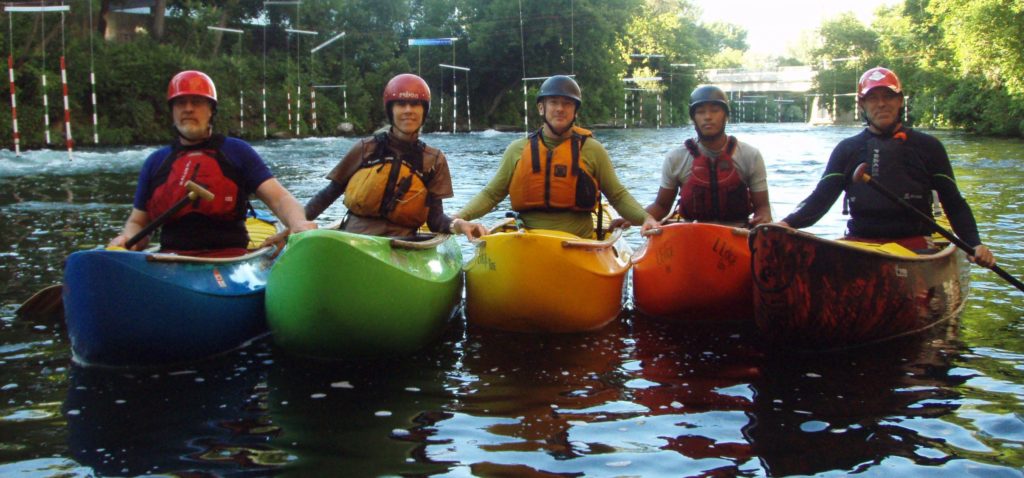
point(816, 293)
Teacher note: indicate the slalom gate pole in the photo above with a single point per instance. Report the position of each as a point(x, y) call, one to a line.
point(68, 140)
point(14, 106)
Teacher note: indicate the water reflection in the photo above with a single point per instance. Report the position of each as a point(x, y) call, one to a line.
point(638, 398)
point(360, 418)
point(518, 398)
point(208, 417)
point(853, 410)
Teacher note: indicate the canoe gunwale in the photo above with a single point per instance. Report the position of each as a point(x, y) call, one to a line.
point(431, 240)
point(942, 253)
point(594, 245)
point(165, 257)
point(430, 243)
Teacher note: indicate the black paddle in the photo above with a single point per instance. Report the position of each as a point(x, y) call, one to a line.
point(47, 302)
point(860, 175)
point(195, 192)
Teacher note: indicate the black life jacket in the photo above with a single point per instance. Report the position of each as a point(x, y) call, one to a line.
point(714, 191)
point(215, 224)
point(903, 171)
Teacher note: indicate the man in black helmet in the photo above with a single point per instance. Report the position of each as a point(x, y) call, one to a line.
point(718, 178)
point(555, 177)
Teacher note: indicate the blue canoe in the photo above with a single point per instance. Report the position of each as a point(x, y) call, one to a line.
point(144, 309)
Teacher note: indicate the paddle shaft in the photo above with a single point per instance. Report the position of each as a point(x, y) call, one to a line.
point(861, 175)
point(195, 191)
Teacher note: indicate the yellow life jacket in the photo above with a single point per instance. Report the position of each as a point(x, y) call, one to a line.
point(389, 187)
point(554, 179)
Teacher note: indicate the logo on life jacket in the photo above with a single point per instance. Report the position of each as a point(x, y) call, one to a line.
point(714, 191)
point(554, 179)
point(389, 187)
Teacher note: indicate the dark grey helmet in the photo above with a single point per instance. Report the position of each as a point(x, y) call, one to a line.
point(708, 94)
point(560, 85)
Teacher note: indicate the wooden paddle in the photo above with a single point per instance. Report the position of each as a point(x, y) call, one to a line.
point(861, 175)
point(47, 302)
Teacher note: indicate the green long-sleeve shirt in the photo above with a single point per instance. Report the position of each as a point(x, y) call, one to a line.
point(593, 155)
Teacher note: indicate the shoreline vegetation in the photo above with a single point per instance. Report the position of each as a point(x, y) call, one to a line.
point(960, 62)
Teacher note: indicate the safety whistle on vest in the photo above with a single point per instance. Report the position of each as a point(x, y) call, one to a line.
point(195, 192)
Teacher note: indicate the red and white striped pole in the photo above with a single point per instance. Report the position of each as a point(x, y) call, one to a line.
point(14, 106)
point(264, 111)
point(289, 111)
point(312, 104)
point(67, 108)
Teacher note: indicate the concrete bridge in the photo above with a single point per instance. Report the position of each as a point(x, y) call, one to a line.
point(784, 79)
point(752, 91)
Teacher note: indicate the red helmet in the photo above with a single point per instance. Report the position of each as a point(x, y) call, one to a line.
point(406, 87)
point(878, 77)
point(192, 82)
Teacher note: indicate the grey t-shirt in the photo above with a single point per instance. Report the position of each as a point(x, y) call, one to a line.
point(678, 163)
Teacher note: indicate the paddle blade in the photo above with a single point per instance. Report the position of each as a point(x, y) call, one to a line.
point(45, 304)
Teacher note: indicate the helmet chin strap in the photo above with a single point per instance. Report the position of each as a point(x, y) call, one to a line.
point(552, 128)
point(559, 133)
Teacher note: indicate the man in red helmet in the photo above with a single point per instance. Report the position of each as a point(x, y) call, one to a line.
point(393, 183)
point(227, 167)
point(555, 177)
point(910, 163)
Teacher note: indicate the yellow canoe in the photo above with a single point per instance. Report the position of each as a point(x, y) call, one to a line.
point(537, 280)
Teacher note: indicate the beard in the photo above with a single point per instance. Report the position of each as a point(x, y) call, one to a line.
point(193, 131)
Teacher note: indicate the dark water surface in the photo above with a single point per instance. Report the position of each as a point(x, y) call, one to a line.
point(637, 398)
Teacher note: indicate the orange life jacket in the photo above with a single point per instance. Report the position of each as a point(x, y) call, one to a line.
point(390, 187)
point(554, 179)
point(714, 191)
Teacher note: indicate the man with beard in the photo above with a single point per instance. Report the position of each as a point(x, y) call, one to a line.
point(909, 163)
point(718, 178)
point(555, 177)
point(227, 167)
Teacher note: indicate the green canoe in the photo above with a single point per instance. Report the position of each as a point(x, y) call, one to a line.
point(335, 294)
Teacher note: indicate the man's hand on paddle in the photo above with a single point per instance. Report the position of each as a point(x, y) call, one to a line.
point(983, 256)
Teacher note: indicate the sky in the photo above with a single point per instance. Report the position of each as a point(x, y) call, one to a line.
point(772, 25)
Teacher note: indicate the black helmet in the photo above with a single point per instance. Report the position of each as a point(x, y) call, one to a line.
point(560, 85)
point(708, 94)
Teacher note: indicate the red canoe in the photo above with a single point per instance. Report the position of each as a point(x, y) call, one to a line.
point(817, 293)
point(694, 271)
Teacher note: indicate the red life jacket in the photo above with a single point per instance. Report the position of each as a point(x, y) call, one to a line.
point(714, 191)
point(215, 224)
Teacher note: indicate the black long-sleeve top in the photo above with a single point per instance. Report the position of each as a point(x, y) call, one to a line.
point(920, 155)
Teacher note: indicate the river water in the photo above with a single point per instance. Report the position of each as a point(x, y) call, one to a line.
point(637, 398)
